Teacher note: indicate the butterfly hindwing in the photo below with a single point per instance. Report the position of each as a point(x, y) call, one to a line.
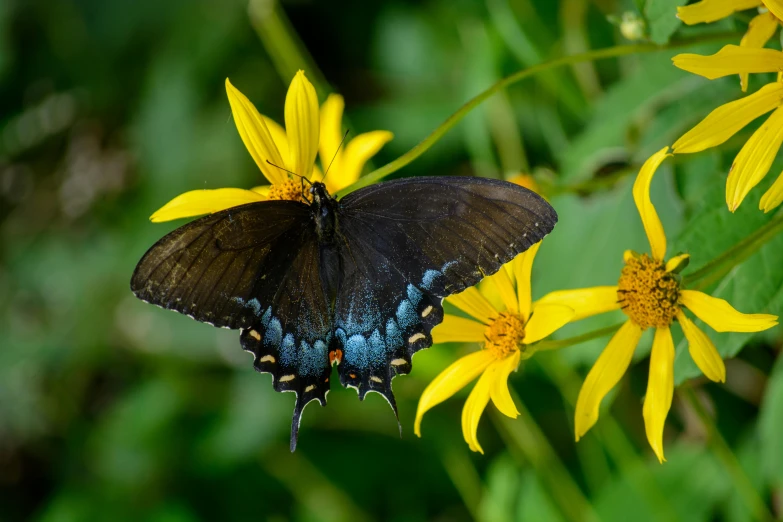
point(407, 245)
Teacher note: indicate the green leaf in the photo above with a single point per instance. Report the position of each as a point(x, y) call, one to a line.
point(770, 425)
point(662, 18)
point(605, 137)
point(690, 473)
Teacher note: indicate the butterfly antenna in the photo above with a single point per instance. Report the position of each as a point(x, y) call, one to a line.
point(335, 155)
point(292, 173)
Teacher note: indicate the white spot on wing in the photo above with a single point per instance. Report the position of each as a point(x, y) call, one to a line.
point(415, 337)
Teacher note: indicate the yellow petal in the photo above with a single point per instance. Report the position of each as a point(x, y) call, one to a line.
point(708, 11)
point(702, 351)
point(605, 373)
point(505, 287)
point(754, 160)
point(676, 261)
point(546, 319)
point(199, 202)
point(450, 381)
point(255, 135)
point(721, 316)
point(586, 302)
point(498, 390)
point(760, 30)
point(316, 175)
point(262, 189)
point(660, 389)
point(525, 180)
point(302, 124)
point(472, 302)
point(732, 59)
point(357, 152)
point(281, 142)
point(641, 195)
point(522, 267)
point(723, 122)
point(773, 196)
point(474, 407)
point(455, 329)
point(776, 7)
point(332, 132)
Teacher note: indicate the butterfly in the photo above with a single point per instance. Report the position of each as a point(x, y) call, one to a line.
point(356, 282)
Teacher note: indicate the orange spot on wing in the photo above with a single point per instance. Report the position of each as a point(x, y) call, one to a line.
point(335, 356)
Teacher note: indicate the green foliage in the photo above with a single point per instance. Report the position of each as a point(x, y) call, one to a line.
point(662, 19)
point(111, 409)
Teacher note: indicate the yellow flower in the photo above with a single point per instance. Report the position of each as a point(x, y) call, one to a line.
point(650, 294)
point(761, 28)
point(507, 334)
point(309, 130)
point(755, 159)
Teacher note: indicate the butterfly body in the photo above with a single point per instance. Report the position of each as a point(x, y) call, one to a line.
point(356, 283)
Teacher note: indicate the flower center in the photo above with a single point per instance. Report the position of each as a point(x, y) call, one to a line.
point(504, 335)
point(647, 293)
point(290, 189)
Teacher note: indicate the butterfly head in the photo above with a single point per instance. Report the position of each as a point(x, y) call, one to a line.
point(324, 209)
point(320, 194)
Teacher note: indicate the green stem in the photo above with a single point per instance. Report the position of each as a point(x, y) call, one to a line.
point(287, 52)
point(744, 486)
point(722, 264)
point(563, 343)
point(612, 437)
point(309, 487)
point(524, 435)
point(464, 476)
point(592, 185)
point(599, 54)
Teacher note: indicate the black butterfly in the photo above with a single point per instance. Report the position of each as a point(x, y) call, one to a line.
point(356, 282)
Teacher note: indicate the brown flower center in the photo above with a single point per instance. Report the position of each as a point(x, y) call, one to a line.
point(504, 335)
point(647, 293)
point(290, 189)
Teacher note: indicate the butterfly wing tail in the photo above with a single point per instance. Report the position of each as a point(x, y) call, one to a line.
point(297, 374)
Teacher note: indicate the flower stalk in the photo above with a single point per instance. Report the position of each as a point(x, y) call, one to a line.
point(451, 121)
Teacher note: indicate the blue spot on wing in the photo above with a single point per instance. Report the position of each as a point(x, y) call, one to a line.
point(356, 351)
point(274, 333)
point(414, 295)
point(429, 278)
point(393, 335)
point(406, 315)
point(377, 350)
point(312, 359)
point(288, 350)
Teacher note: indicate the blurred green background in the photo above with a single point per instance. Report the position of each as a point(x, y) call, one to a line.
point(111, 409)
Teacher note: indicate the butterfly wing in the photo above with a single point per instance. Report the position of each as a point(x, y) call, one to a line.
point(256, 267)
point(406, 245)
